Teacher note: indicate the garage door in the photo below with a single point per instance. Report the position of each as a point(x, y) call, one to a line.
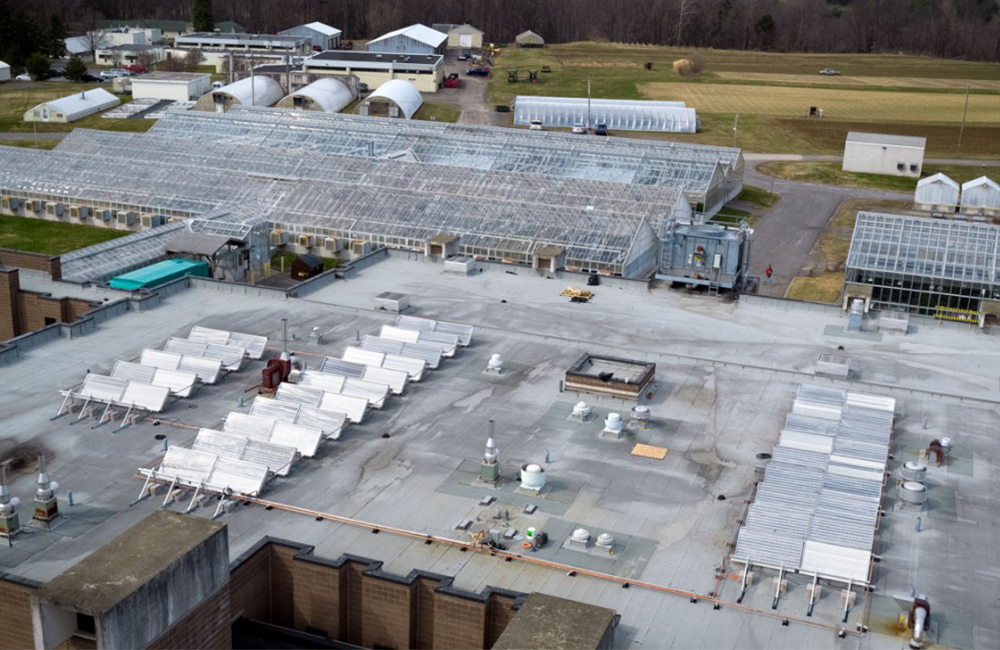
point(465, 40)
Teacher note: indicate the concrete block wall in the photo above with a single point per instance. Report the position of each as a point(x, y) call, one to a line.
point(15, 614)
point(26, 311)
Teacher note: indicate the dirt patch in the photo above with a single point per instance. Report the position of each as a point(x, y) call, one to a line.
point(21, 459)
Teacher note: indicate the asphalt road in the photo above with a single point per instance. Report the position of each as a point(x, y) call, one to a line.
point(471, 97)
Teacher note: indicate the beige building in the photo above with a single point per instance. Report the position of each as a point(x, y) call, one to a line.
point(464, 36)
point(424, 71)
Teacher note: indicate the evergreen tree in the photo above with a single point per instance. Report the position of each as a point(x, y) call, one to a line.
point(38, 66)
point(56, 37)
point(201, 16)
point(766, 32)
point(76, 68)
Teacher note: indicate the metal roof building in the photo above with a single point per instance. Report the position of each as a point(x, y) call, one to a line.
point(72, 108)
point(394, 98)
point(709, 176)
point(252, 91)
point(616, 114)
point(321, 35)
point(937, 192)
point(981, 196)
point(415, 39)
point(329, 95)
point(529, 38)
point(946, 269)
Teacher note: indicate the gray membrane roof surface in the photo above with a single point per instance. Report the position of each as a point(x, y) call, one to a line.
point(726, 377)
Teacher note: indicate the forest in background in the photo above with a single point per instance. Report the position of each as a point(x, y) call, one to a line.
point(967, 29)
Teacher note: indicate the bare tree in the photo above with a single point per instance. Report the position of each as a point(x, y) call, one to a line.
point(193, 59)
point(97, 39)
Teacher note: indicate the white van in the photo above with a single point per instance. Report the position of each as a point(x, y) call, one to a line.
point(536, 125)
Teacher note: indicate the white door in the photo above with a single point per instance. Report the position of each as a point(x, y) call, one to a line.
point(45, 114)
point(465, 40)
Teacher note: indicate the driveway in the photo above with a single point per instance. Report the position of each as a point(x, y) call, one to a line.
point(471, 98)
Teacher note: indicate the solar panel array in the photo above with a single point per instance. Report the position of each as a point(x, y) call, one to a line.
point(817, 508)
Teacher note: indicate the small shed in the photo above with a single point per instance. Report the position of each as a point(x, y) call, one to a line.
point(329, 95)
point(172, 86)
point(252, 91)
point(981, 197)
point(307, 266)
point(461, 36)
point(415, 39)
point(937, 192)
point(394, 98)
point(4, 71)
point(529, 39)
point(72, 108)
point(880, 153)
point(322, 36)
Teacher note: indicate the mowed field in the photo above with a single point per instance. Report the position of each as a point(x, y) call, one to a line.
point(18, 97)
point(836, 104)
point(772, 93)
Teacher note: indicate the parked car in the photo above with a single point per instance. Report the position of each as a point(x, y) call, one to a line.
point(362, 87)
point(463, 57)
point(536, 125)
point(578, 129)
point(89, 78)
point(829, 72)
point(478, 71)
point(601, 129)
point(24, 76)
point(217, 85)
point(452, 81)
point(136, 69)
point(112, 74)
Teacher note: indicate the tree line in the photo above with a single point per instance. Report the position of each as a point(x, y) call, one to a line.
point(943, 28)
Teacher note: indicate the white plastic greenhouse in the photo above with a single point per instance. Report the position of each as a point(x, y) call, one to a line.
point(981, 196)
point(937, 192)
point(615, 114)
point(329, 95)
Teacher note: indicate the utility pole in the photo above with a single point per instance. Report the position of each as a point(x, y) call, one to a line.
point(588, 103)
point(961, 130)
point(253, 95)
point(736, 124)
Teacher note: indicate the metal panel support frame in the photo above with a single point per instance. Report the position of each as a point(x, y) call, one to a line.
point(812, 594)
point(847, 601)
point(170, 491)
point(191, 505)
point(743, 583)
point(777, 588)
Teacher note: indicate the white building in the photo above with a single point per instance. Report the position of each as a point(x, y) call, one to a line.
point(322, 36)
point(396, 98)
point(4, 71)
point(878, 153)
point(252, 91)
point(174, 86)
point(981, 197)
point(244, 43)
point(330, 95)
point(74, 107)
point(415, 39)
point(938, 193)
point(120, 55)
point(425, 71)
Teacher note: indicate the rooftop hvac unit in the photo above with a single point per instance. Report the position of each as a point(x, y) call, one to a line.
point(361, 247)
point(126, 218)
point(307, 241)
point(279, 237)
point(333, 244)
point(104, 215)
point(34, 205)
point(11, 203)
point(55, 209)
point(80, 212)
point(151, 220)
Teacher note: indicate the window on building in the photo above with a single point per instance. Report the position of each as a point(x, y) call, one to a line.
point(85, 623)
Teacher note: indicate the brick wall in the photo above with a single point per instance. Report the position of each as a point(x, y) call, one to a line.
point(459, 623)
point(304, 595)
point(250, 586)
point(35, 261)
point(386, 613)
point(10, 306)
point(208, 627)
point(15, 616)
point(501, 612)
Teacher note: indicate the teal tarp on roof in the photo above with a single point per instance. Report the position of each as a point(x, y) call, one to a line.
point(159, 273)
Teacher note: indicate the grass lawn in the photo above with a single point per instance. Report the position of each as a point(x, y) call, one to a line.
point(29, 144)
point(772, 92)
point(825, 288)
point(287, 258)
point(437, 113)
point(15, 101)
point(51, 237)
point(829, 173)
point(733, 216)
point(758, 197)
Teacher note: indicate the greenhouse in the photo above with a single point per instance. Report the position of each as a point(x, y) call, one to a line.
point(981, 197)
point(946, 269)
point(327, 94)
point(709, 176)
point(504, 216)
point(938, 192)
point(615, 114)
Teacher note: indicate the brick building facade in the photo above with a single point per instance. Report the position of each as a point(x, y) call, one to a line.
point(24, 311)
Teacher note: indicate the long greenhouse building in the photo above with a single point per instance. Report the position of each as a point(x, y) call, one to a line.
point(945, 269)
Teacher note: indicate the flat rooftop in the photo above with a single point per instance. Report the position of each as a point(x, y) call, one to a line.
point(170, 76)
point(373, 57)
point(620, 369)
point(726, 374)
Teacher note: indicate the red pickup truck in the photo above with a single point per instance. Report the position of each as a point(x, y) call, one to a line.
point(452, 81)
